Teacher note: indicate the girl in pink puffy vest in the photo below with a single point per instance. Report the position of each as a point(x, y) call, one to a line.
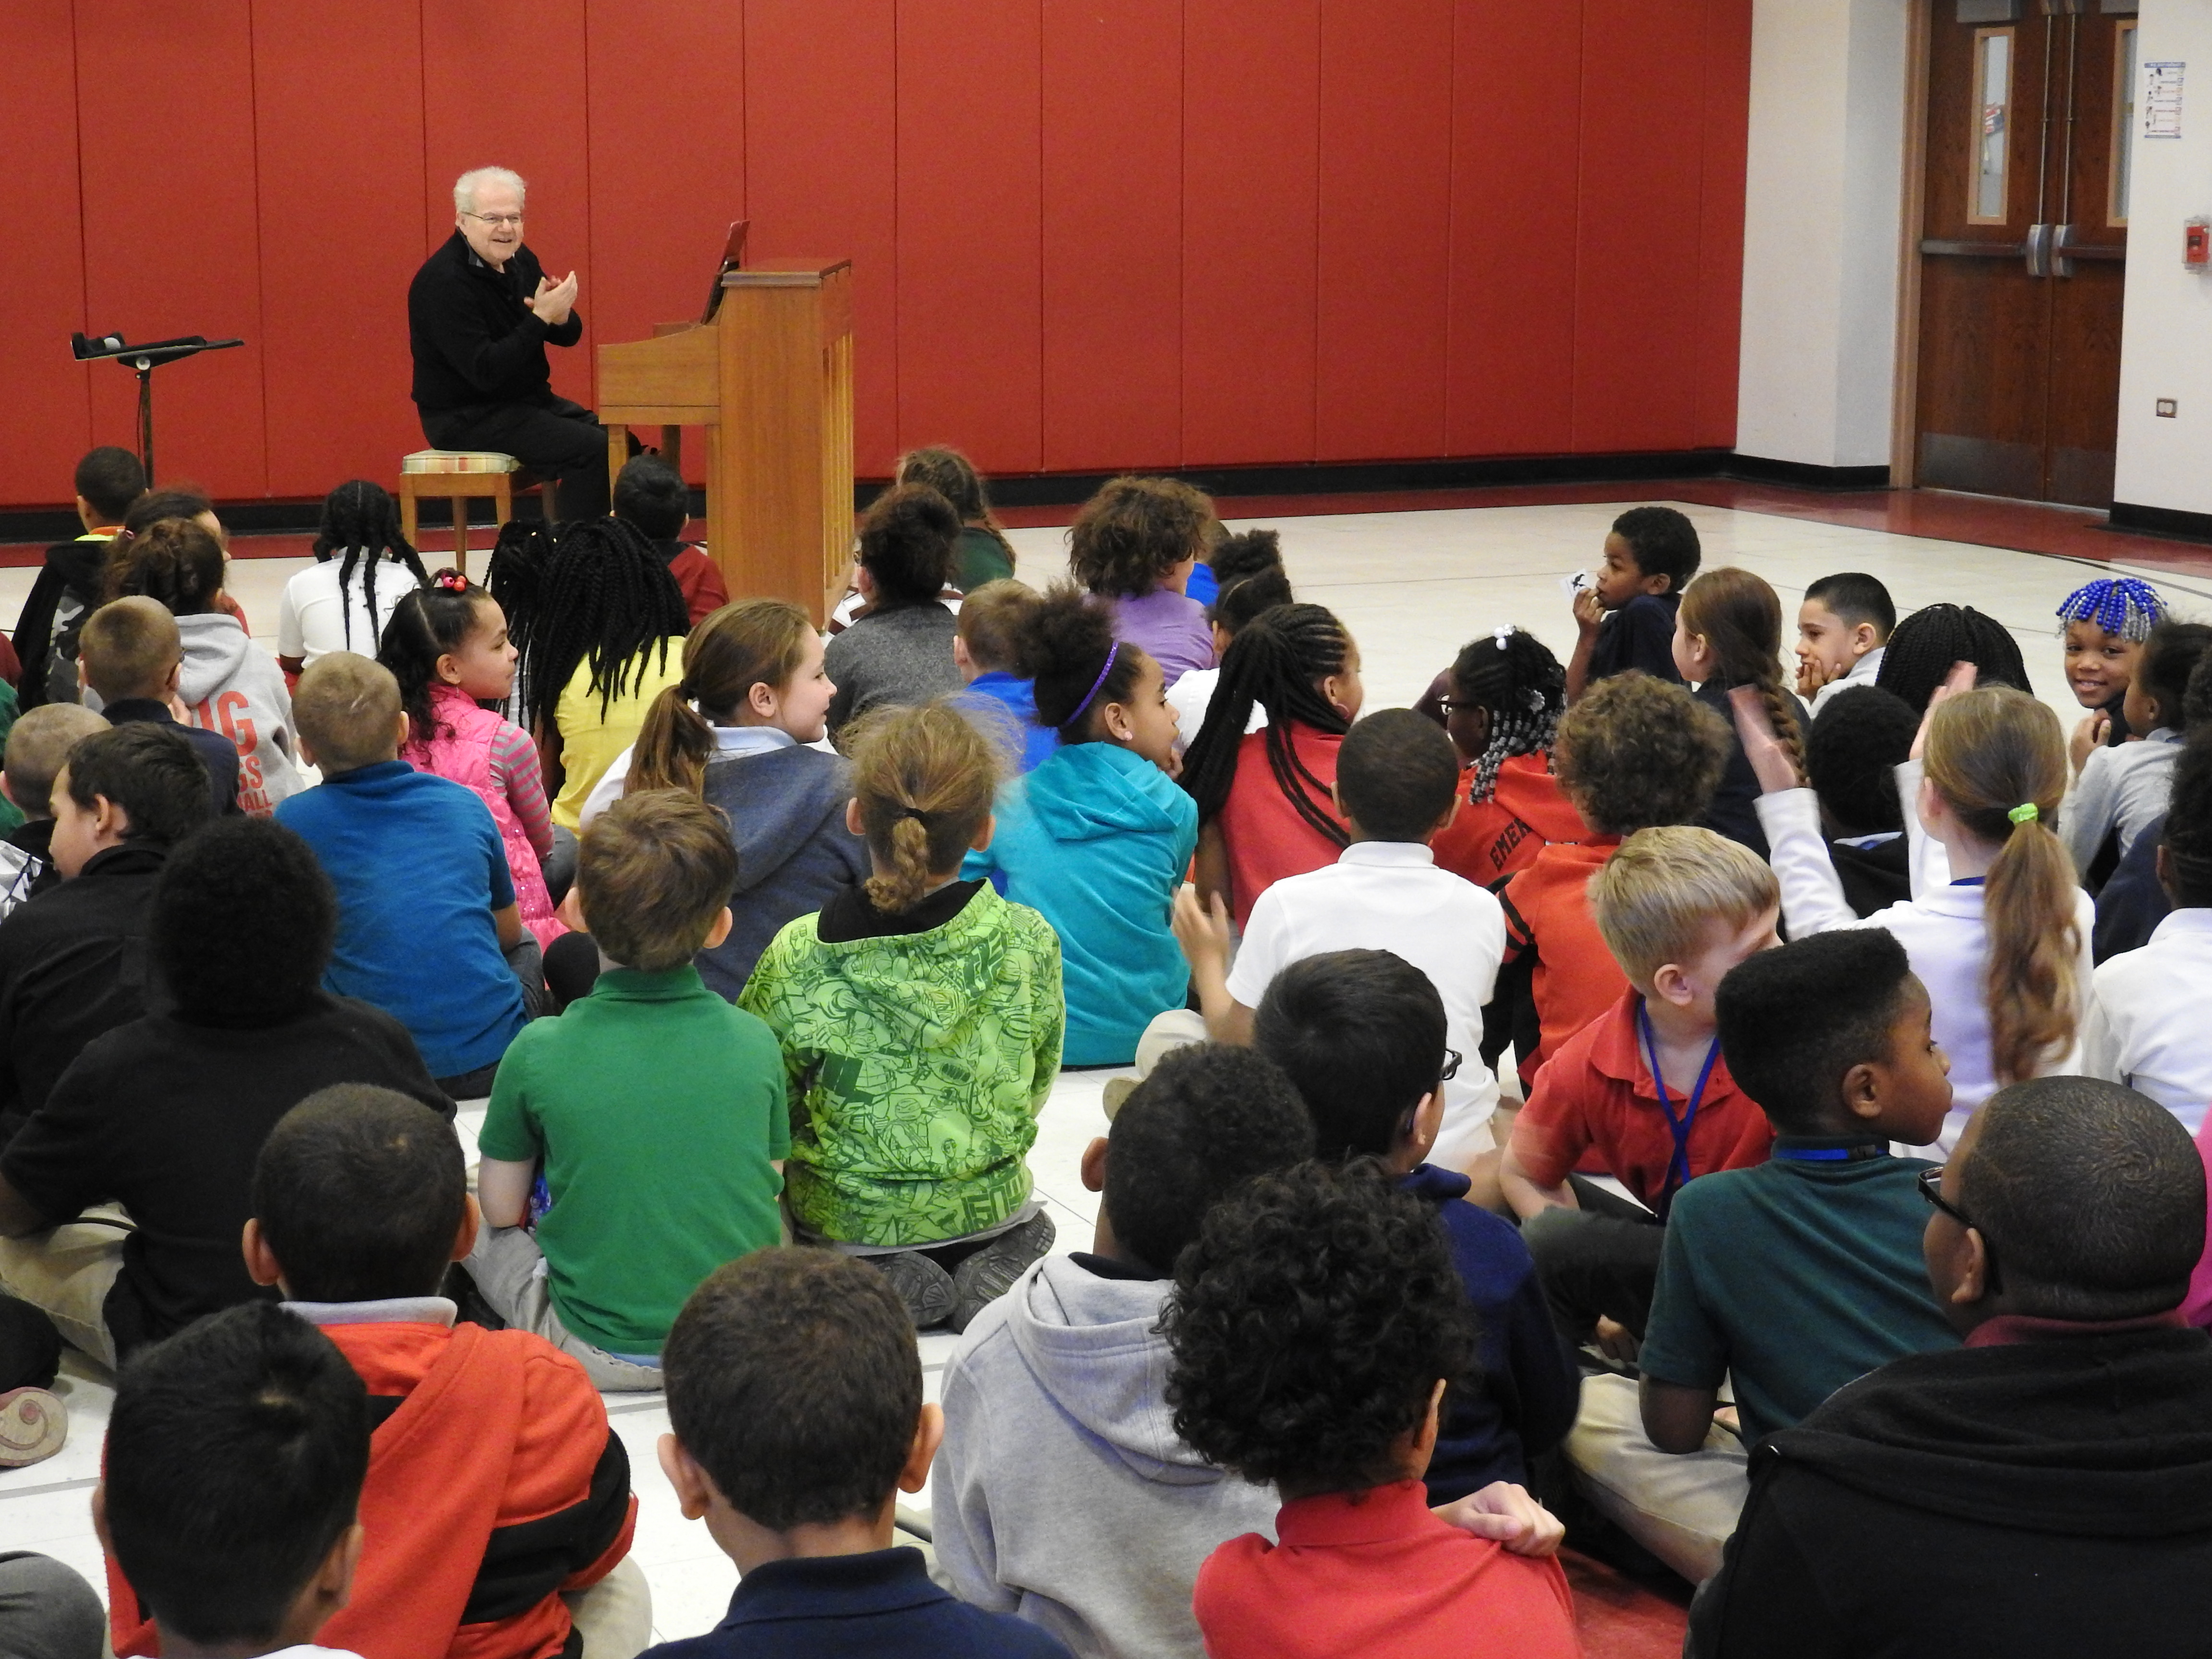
point(447, 645)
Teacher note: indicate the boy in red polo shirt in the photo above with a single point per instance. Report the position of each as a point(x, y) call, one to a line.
point(1633, 753)
point(1333, 1399)
point(1645, 1085)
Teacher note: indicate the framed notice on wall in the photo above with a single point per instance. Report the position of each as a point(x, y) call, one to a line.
point(2163, 100)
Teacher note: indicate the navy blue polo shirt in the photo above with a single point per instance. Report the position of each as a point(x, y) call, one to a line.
point(419, 870)
point(881, 1604)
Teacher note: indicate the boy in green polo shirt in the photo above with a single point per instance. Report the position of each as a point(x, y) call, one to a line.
point(1792, 1278)
point(656, 1109)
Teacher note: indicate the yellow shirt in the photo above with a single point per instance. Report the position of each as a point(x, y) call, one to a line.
point(591, 741)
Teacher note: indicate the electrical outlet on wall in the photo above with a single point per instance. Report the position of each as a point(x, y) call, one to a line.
point(2169, 408)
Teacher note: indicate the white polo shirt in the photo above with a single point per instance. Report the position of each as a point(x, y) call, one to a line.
point(1389, 895)
point(2146, 1027)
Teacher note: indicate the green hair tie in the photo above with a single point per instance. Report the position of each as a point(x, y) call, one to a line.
point(2024, 813)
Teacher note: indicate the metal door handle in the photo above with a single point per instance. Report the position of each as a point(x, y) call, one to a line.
point(2036, 249)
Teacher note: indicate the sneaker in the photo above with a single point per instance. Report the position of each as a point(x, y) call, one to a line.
point(34, 1424)
point(925, 1287)
point(1116, 1095)
point(989, 1273)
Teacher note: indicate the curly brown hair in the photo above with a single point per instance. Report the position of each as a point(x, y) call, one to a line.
point(1134, 531)
point(1636, 752)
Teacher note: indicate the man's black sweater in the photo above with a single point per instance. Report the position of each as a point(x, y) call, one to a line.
point(2043, 1496)
point(475, 338)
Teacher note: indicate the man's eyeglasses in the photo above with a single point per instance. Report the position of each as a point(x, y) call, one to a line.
point(496, 220)
point(1931, 1184)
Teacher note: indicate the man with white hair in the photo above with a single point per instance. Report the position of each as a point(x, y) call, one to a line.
point(479, 314)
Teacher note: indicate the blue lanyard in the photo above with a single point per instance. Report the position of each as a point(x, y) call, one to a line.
point(1678, 1167)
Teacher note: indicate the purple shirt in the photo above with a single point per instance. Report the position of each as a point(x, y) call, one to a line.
point(1172, 627)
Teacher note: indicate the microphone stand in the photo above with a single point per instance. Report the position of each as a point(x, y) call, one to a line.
point(142, 360)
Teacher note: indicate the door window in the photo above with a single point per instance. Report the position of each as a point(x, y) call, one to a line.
point(1985, 200)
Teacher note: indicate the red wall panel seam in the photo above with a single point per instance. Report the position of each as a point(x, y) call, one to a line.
point(260, 284)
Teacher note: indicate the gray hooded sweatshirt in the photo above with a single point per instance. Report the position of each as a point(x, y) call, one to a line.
point(1061, 1493)
point(233, 686)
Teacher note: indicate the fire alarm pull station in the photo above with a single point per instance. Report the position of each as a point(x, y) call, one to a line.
point(2197, 245)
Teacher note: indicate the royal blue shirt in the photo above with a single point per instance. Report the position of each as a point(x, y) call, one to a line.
point(1018, 698)
point(419, 870)
point(881, 1604)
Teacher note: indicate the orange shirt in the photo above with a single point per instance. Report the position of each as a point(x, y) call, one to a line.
point(1261, 829)
point(1548, 911)
point(1490, 840)
point(1597, 1092)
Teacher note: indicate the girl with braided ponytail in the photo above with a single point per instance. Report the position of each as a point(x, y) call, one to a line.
point(1096, 838)
point(447, 645)
point(1502, 697)
point(2003, 944)
point(739, 730)
point(605, 639)
point(363, 567)
point(919, 1016)
point(1728, 634)
point(1264, 797)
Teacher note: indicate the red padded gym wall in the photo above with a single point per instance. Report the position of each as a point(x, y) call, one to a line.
point(49, 397)
point(1085, 237)
point(1113, 234)
point(822, 174)
point(335, 371)
point(171, 229)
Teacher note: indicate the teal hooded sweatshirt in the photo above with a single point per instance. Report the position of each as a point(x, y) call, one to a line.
point(1098, 839)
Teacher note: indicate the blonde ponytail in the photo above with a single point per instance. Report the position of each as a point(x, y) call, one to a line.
point(1998, 757)
point(924, 778)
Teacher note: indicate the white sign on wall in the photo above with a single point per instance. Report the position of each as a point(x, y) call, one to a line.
point(2162, 99)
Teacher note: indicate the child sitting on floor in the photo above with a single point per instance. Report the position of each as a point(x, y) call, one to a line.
point(1791, 1279)
point(1395, 786)
point(1646, 1084)
point(1842, 628)
point(1362, 1034)
point(1314, 1330)
point(448, 646)
point(983, 555)
point(336, 603)
point(899, 654)
point(1624, 618)
point(654, 1109)
point(1054, 1393)
point(1728, 634)
point(2119, 791)
point(2146, 1023)
point(741, 732)
point(360, 1201)
point(1097, 838)
point(796, 1417)
point(38, 747)
point(920, 1017)
point(1132, 545)
point(1247, 570)
point(1501, 702)
point(230, 682)
point(1933, 639)
point(2104, 624)
point(1265, 805)
point(988, 650)
point(1633, 754)
point(231, 1488)
point(1852, 751)
point(130, 657)
point(2002, 944)
point(651, 496)
point(428, 928)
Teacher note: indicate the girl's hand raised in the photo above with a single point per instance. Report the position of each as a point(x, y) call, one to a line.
point(1960, 679)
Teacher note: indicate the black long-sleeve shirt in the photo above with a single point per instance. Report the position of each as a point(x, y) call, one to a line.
point(475, 338)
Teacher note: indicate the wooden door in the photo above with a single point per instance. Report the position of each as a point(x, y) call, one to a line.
point(2024, 233)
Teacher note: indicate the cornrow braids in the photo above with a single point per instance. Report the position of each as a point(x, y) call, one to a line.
point(2125, 605)
point(1921, 651)
point(363, 518)
point(605, 599)
point(1513, 675)
point(1278, 661)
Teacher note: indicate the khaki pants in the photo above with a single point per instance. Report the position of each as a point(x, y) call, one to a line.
point(509, 1269)
point(1681, 1507)
point(66, 1274)
point(614, 1616)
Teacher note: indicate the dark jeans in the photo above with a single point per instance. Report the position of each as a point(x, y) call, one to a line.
point(1601, 1259)
point(550, 435)
point(46, 1611)
point(527, 964)
point(30, 1349)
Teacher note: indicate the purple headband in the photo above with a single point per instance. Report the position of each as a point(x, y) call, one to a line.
point(1094, 685)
